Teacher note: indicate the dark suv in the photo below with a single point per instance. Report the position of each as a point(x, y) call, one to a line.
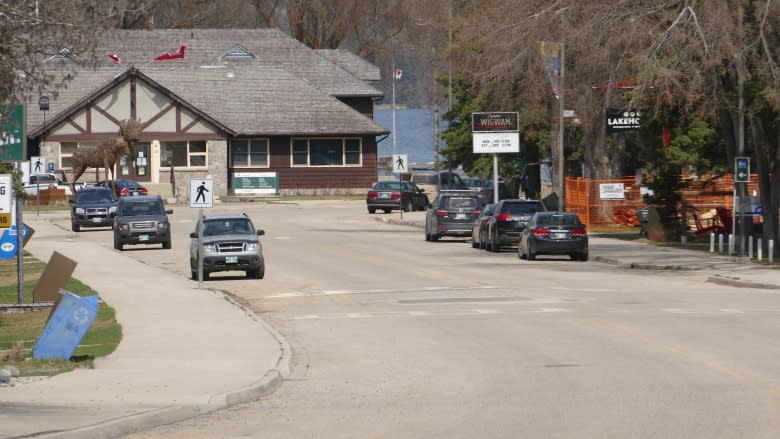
point(230, 243)
point(508, 221)
point(452, 214)
point(92, 207)
point(142, 220)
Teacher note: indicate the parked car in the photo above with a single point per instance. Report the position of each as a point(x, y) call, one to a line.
point(554, 233)
point(452, 214)
point(434, 181)
point(125, 188)
point(142, 220)
point(509, 220)
point(483, 187)
point(479, 226)
point(92, 207)
point(45, 181)
point(393, 195)
point(230, 243)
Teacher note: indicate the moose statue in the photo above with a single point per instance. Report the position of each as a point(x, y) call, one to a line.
point(106, 154)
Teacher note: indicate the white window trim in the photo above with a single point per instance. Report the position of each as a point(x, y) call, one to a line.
point(189, 155)
point(249, 166)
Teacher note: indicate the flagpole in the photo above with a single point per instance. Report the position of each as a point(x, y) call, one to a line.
point(394, 134)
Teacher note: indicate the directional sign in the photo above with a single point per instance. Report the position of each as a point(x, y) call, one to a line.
point(13, 138)
point(400, 164)
point(742, 169)
point(9, 240)
point(5, 201)
point(201, 192)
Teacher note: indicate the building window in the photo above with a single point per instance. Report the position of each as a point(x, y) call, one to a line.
point(68, 148)
point(326, 152)
point(247, 153)
point(182, 154)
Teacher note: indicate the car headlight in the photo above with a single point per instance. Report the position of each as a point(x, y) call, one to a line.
point(80, 210)
point(112, 209)
point(251, 246)
point(162, 225)
point(209, 248)
point(124, 227)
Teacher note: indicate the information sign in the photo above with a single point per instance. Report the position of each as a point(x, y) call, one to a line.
point(742, 169)
point(13, 138)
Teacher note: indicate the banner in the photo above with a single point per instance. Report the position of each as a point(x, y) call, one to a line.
point(551, 56)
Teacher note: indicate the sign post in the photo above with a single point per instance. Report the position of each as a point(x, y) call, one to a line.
point(201, 195)
point(400, 166)
point(495, 133)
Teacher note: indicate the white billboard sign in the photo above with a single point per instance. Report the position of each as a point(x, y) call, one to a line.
point(611, 191)
point(493, 143)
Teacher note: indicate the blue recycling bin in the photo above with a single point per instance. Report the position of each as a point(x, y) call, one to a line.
point(66, 327)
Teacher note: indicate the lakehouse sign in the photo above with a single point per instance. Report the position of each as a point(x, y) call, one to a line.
point(619, 120)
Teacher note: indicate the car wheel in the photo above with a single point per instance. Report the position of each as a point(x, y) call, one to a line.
point(206, 275)
point(118, 244)
point(495, 246)
point(194, 274)
point(256, 273)
point(583, 256)
point(387, 210)
point(372, 210)
point(482, 240)
point(520, 252)
point(167, 244)
point(531, 255)
point(407, 206)
point(474, 243)
point(75, 227)
point(434, 237)
point(427, 235)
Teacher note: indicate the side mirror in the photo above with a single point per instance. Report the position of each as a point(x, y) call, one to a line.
point(260, 232)
point(169, 211)
point(193, 235)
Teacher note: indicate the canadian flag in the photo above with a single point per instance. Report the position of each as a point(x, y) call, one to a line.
point(398, 73)
point(173, 54)
point(114, 57)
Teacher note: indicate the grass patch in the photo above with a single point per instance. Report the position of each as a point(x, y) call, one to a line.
point(18, 332)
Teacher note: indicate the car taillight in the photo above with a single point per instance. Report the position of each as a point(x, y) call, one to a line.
point(372, 194)
point(476, 213)
point(144, 191)
point(442, 213)
point(578, 232)
point(395, 195)
point(123, 192)
point(541, 231)
point(504, 217)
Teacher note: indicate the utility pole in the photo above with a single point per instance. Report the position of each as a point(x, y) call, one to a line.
point(741, 186)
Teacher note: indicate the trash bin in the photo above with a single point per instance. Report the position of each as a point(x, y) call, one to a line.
point(69, 322)
point(643, 215)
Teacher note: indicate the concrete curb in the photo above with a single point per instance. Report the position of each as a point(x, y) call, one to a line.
point(137, 422)
point(640, 266)
point(741, 283)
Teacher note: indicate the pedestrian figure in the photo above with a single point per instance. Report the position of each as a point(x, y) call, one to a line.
point(38, 165)
point(400, 162)
point(201, 192)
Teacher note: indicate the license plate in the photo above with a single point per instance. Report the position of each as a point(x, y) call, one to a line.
point(135, 193)
point(97, 220)
point(231, 259)
point(559, 235)
point(384, 195)
point(143, 237)
point(460, 216)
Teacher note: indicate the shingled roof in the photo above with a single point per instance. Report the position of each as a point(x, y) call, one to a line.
point(250, 82)
point(352, 63)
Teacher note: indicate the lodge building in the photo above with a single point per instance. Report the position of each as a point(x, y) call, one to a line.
point(230, 102)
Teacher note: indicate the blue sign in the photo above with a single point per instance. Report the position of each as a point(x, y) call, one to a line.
point(66, 327)
point(8, 240)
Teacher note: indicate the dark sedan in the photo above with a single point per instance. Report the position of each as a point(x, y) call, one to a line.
point(554, 233)
point(508, 222)
point(480, 226)
point(394, 195)
point(125, 188)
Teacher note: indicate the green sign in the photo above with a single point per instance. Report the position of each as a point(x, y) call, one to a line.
point(13, 138)
point(742, 169)
point(256, 183)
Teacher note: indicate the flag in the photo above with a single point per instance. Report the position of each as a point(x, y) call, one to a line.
point(398, 73)
point(552, 65)
point(173, 54)
point(114, 57)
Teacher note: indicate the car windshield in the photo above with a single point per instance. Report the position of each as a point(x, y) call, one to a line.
point(391, 185)
point(515, 208)
point(141, 208)
point(557, 220)
point(227, 226)
point(95, 197)
point(424, 179)
point(473, 182)
point(460, 203)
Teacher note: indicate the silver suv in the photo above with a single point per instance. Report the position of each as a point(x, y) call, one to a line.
point(230, 243)
point(142, 220)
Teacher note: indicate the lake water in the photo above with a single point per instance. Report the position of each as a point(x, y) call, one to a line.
point(414, 133)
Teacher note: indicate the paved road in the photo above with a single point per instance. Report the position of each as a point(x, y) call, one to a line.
point(393, 336)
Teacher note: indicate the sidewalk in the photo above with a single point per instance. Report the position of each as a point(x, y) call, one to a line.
point(185, 351)
point(645, 255)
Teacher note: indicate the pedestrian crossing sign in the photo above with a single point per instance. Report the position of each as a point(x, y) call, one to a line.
point(201, 192)
point(400, 164)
